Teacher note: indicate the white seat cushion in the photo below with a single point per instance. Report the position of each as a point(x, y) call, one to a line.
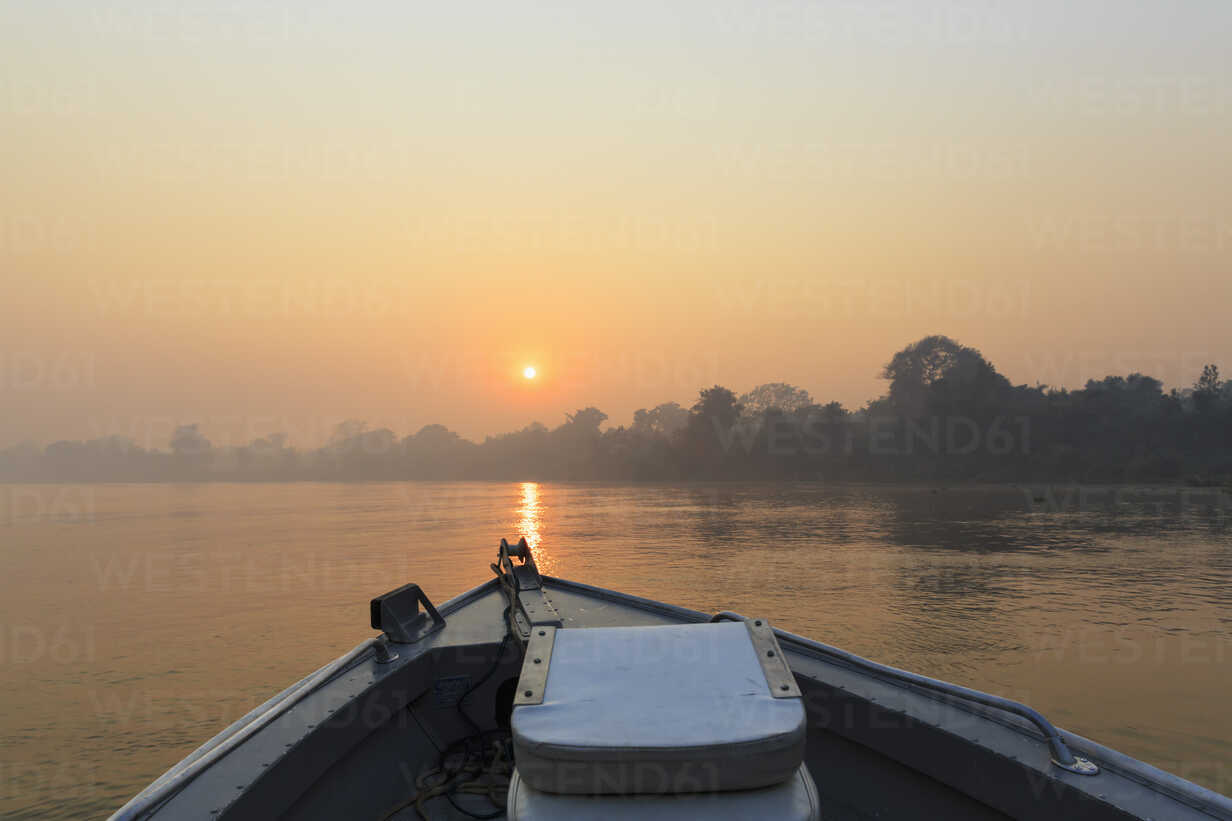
point(671, 709)
point(791, 800)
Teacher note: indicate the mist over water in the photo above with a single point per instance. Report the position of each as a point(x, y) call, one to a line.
point(139, 620)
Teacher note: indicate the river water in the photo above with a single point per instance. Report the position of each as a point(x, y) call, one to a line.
point(138, 620)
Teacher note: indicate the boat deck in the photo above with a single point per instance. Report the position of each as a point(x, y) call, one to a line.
point(351, 740)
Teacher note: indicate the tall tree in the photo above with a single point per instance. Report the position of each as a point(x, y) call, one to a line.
point(1207, 389)
point(938, 367)
point(778, 395)
point(664, 419)
point(189, 441)
point(717, 406)
point(586, 420)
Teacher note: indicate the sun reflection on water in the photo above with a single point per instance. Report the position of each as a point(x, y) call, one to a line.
point(530, 514)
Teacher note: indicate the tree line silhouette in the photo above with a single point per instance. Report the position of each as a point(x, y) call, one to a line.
point(948, 415)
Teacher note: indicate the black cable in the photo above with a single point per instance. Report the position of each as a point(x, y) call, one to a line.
point(500, 655)
point(506, 617)
point(469, 754)
point(497, 813)
point(479, 732)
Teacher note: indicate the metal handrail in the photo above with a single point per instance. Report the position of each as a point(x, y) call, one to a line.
point(1061, 756)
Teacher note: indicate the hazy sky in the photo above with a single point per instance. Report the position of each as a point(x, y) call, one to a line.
point(279, 217)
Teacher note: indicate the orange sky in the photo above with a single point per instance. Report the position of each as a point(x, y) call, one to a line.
point(276, 219)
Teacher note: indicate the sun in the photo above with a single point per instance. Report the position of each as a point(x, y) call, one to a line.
point(529, 372)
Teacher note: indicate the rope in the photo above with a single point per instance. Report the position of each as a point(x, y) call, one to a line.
point(488, 776)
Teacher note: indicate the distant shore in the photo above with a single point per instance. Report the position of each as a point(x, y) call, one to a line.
point(949, 417)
